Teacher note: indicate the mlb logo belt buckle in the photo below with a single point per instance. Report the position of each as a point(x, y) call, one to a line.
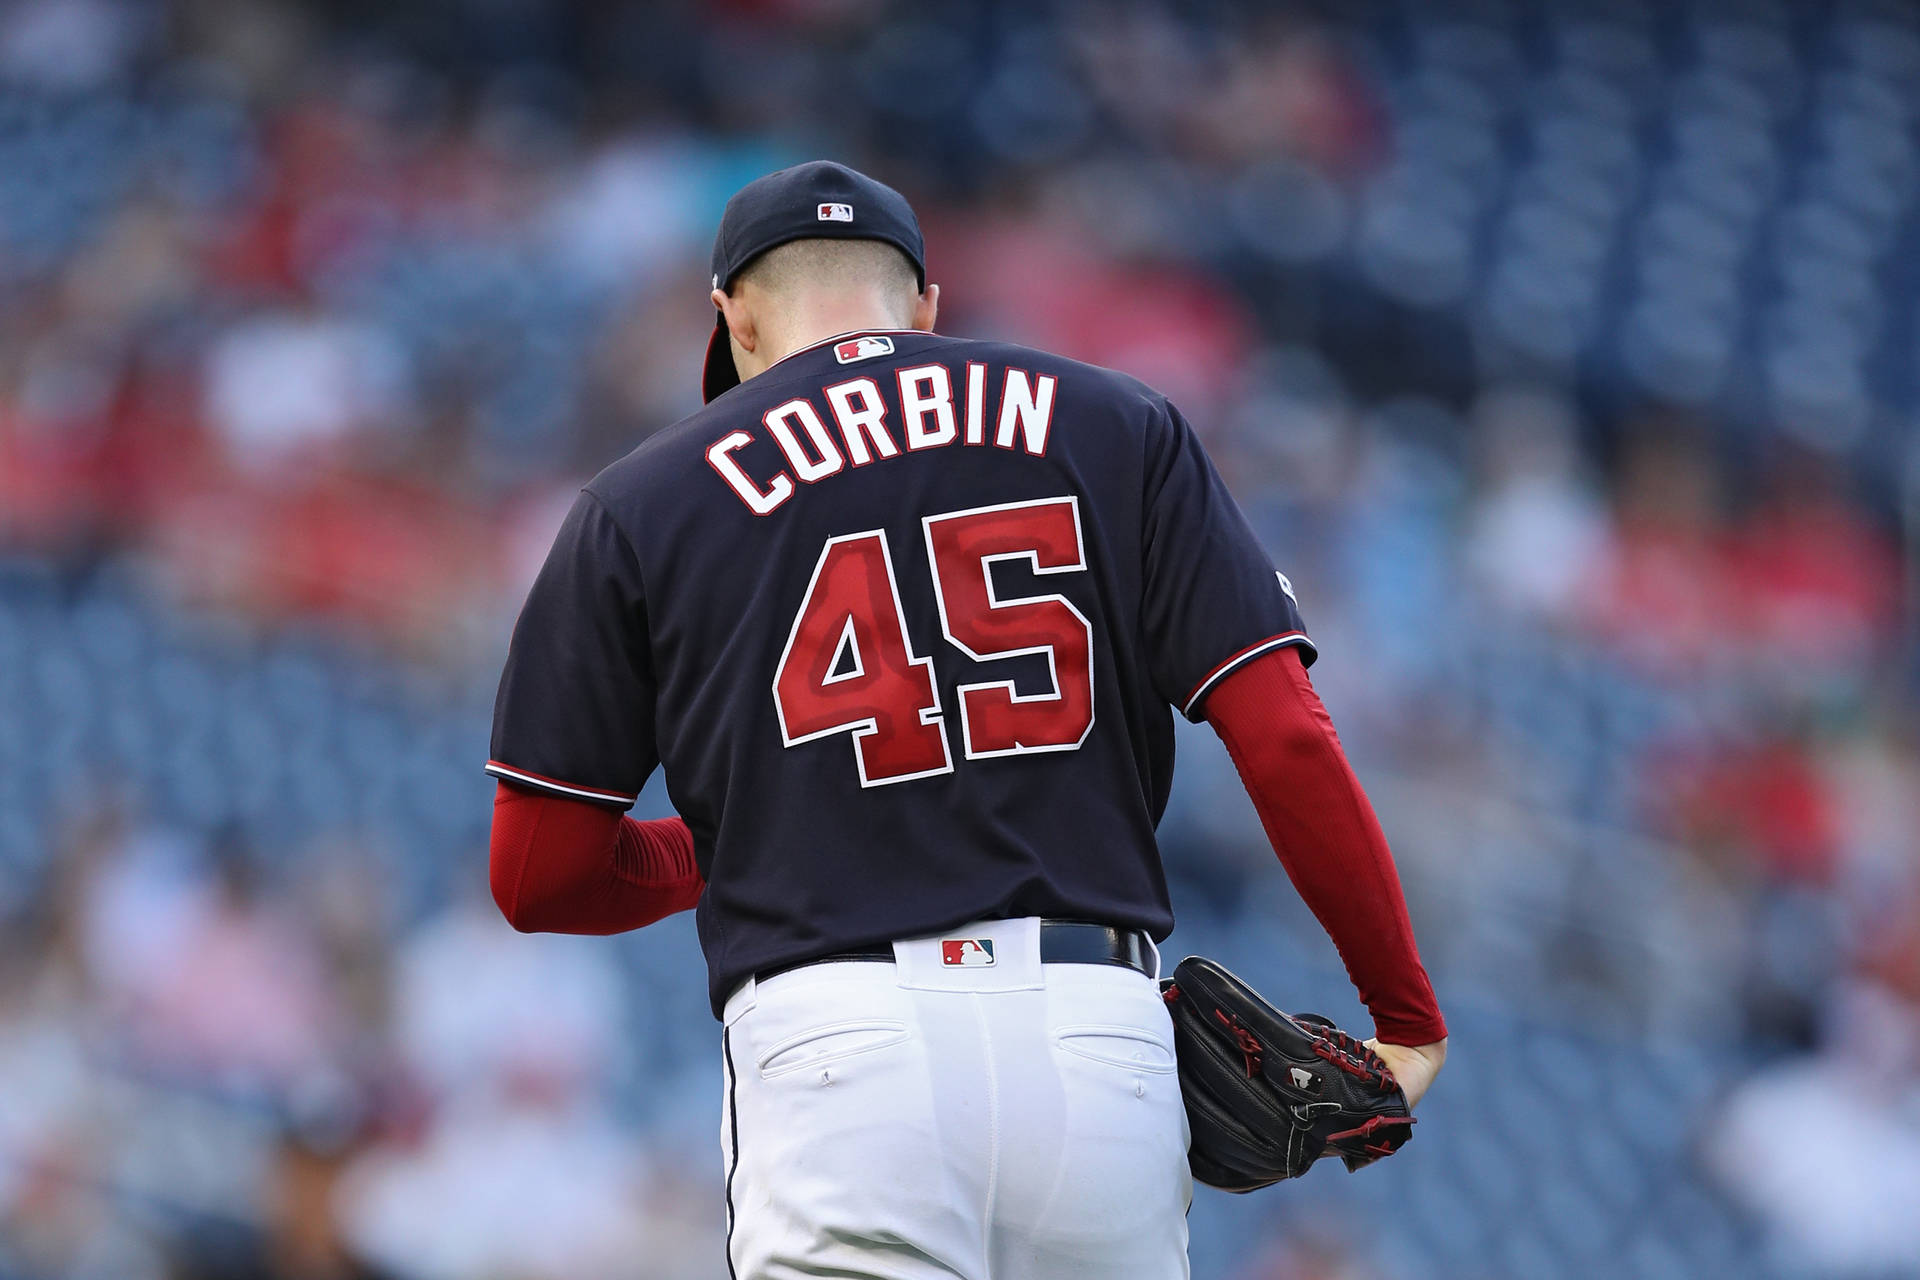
point(966, 953)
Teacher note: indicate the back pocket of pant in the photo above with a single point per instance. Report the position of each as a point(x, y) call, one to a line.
point(1127, 1047)
point(830, 1043)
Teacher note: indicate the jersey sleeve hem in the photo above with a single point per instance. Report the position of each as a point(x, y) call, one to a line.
point(1240, 659)
point(1411, 1031)
point(600, 795)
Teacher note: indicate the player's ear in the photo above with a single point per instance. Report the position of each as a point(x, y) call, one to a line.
point(925, 308)
point(739, 320)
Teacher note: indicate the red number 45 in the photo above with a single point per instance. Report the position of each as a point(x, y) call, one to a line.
point(849, 667)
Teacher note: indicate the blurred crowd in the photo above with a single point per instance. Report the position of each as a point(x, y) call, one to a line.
point(1559, 351)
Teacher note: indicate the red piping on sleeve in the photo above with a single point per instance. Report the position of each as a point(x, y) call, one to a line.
point(540, 781)
point(1245, 655)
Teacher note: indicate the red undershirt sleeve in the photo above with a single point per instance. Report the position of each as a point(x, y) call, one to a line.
point(570, 866)
point(1327, 837)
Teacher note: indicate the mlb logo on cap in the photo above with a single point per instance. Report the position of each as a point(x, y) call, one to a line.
point(966, 953)
point(862, 349)
point(836, 213)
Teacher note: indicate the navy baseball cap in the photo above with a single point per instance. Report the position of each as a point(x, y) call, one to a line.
point(816, 200)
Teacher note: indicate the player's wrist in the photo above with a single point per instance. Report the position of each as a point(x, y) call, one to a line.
point(1414, 1067)
point(1433, 1052)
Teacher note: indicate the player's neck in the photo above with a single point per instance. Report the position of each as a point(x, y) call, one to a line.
point(826, 318)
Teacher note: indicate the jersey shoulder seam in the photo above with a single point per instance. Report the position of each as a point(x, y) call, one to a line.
point(613, 518)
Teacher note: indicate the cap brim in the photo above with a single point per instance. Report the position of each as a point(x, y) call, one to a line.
point(719, 376)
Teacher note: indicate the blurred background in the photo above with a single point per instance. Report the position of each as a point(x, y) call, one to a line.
point(1563, 354)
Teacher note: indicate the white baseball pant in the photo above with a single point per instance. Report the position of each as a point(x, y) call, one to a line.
point(942, 1117)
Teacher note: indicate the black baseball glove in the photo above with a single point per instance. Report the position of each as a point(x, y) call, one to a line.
point(1268, 1093)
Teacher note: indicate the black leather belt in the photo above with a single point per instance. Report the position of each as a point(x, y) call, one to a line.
point(1061, 942)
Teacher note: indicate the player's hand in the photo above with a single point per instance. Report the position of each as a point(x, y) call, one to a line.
point(1414, 1066)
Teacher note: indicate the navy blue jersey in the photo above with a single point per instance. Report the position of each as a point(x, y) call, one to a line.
point(902, 618)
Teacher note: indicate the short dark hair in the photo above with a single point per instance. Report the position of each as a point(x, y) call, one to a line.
point(834, 262)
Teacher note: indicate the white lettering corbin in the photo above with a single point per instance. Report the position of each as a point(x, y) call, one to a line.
point(924, 404)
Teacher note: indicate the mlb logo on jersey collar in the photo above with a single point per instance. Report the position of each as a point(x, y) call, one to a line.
point(862, 349)
point(966, 953)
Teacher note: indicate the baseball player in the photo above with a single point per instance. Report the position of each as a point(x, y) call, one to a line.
point(903, 616)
